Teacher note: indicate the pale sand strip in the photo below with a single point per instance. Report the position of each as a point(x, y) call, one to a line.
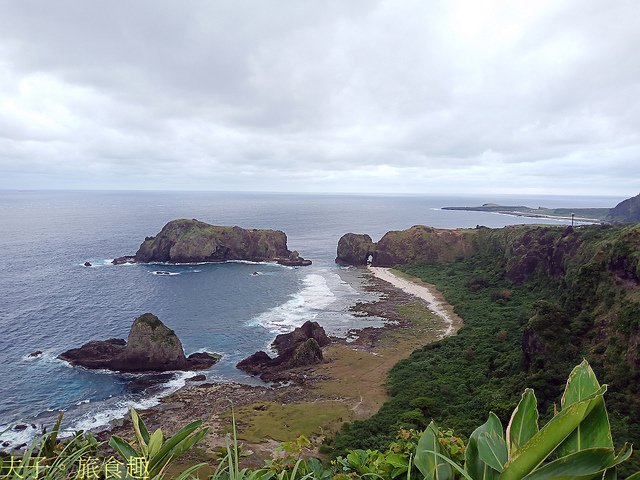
point(434, 299)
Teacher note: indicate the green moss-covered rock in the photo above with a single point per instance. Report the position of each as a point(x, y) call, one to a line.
point(192, 241)
point(355, 249)
point(423, 244)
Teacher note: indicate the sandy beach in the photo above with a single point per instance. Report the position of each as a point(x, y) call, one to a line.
point(434, 299)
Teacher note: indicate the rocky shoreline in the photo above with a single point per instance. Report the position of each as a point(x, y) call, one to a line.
point(338, 383)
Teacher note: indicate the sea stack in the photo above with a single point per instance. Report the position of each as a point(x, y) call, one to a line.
point(193, 241)
point(150, 347)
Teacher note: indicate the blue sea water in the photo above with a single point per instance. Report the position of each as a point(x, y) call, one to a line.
point(49, 301)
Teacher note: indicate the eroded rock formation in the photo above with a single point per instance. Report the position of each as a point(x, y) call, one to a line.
point(300, 348)
point(150, 347)
point(192, 241)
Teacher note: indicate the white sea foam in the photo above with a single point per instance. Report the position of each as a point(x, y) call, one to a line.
point(163, 273)
point(302, 306)
point(95, 420)
point(96, 416)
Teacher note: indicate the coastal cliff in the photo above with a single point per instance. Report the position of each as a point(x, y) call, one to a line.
point(416, 244)
point(193, 241)
point(627, 211)
point(534, 299)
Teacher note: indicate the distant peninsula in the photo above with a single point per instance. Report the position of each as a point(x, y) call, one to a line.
point(193, 241)
point(627, 211)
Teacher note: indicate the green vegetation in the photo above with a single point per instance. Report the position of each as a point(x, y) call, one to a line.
point(575, 443)
point(155, 453)
point(534, 300)
point(458, 379)
point(282, 422)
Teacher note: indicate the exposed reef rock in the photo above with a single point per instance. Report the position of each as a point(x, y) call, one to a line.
point(627, 211)
point(300, 348)
point(150, 347)
point(192, 241)
point(123, 260)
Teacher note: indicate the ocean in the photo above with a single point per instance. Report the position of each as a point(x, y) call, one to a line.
point(50, 302)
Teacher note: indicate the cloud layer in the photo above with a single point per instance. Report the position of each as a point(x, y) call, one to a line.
point(359, 96)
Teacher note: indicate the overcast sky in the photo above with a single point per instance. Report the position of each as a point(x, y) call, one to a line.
point(399, 96)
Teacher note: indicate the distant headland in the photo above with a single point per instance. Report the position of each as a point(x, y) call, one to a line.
point(193, 241)
point(627, 211)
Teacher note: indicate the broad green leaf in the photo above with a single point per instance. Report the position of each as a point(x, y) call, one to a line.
point(635, 476)
point(474, 465)
point(595, 430)
point(492, 450)
point(447, 460)
point(188, 443)
point(583, 464)
point(540, 446)
point(523, 424)
point(432, 467)
point(581, 384)
point(122, 447)
point(138, 428)
point(155, 442)
point(396, 460)
point(171, 443)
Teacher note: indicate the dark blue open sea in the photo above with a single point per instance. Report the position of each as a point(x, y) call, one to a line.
point(50, 302)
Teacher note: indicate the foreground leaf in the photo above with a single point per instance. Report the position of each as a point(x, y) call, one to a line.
point(523, 424)
point(474, 465)
point(595, 430)
point(540, 446)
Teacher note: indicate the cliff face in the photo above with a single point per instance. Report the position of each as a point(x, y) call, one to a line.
point(416, 244)
point(595, 268)
point(189, 241)
point(627, 211)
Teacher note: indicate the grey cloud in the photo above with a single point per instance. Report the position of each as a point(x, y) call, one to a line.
point(425, 96)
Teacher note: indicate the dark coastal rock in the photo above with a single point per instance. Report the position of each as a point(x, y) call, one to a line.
point(35, 354)
point(150, 347)
point(355, 249)
point(197, 378)
point(299, 348)
point(87, 264)
point(256, 363)
point(287, 341)
point(123, 260)
point(192, 241)
point(20, 427)
point(293, 260)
